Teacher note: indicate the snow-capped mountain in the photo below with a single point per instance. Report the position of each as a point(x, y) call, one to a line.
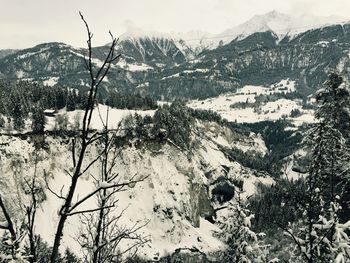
point(189, 44)
point(195, 40)
point(267, 49)
point(280, 24)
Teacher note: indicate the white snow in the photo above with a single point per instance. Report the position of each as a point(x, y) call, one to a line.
point(115, 116)
point(98, 116)
point(267, 111)
point(167, 187)
point(284, 86)
point(76, 53)
point(133, 66)
point(29, 54)
point(254, 142)
point(251, 183)
point(280, 24)
point(20, 74)
point(51, 81)
point(306, 117)
point(168, 197)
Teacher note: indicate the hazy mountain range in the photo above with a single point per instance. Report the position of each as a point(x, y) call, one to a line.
point(263, 50)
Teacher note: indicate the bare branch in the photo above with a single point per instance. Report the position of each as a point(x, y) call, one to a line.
point(96, 136)
point(90, 210)
point(10, 225)
point(73, 152)
point(49, 188)
point(125, 234)
point(99, 188)
point(90, 164)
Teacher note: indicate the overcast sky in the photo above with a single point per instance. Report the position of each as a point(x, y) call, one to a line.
point(25, 23)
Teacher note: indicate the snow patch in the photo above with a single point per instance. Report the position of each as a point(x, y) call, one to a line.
point(133, 66)
point(51, 81)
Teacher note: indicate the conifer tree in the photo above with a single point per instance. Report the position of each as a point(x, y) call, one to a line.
point(18, 116)
point(319, 233)
point(244, 245)
point(70, 102)
point(38, 120)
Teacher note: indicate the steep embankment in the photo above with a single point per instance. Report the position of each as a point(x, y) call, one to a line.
point(174, 200)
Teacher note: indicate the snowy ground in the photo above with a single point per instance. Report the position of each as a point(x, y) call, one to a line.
point(172, 184)
point(269, 111)
point(51, 81)
point(99, 116)
point(97, 122)
point(133, 66)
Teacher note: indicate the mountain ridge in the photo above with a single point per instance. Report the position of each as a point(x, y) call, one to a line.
point(166, 68)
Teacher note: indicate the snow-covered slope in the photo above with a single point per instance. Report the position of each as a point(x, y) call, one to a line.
point(194, 36)
point(175, 198)
point(189, 44)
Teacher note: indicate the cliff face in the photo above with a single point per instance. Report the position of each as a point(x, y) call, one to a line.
point(178, 198)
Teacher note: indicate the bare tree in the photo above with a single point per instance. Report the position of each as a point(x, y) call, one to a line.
point(34, 188)
point(105, 188)
point(31, 214)
point(24, 229)
point(69, 208)
point(80, 146)
point(102, 232)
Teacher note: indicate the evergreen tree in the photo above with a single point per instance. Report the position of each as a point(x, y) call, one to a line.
point(60, 96)
point(328, 171)
point(38, 120)
point(71, 101)
point(177, 121)
point(70, 257)
point(334, 100)
point(327, 142)
point(244, 245)
point(18, 115)
point(140, 127)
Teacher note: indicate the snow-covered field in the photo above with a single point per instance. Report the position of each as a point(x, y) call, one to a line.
point(284, 86)
point(272, 110)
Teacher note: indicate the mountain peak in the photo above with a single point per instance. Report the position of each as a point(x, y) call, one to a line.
point(135, 32)
point(279, 23)
point(274, 13)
